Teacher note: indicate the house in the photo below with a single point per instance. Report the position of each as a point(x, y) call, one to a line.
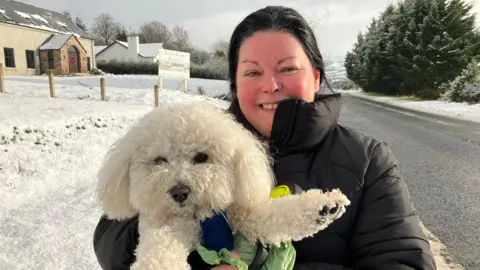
point(34, 40)
point(132, 50)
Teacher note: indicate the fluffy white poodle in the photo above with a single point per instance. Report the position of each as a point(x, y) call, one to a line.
point(181, 163)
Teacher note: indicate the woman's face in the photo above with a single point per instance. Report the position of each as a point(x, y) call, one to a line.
point(272, 66)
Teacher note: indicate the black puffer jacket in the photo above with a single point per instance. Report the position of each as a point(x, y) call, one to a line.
point(380, 230)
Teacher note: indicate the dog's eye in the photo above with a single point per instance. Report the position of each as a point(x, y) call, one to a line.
point(160, 160)
point(200, 158)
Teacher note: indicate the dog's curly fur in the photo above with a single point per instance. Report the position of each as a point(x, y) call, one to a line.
point(233, 175)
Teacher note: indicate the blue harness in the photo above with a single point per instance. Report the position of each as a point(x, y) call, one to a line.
point(216, 233)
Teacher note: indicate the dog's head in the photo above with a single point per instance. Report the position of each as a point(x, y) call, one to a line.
point(183, 159)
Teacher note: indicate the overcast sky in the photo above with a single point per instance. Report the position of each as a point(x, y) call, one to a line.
point(337, 22)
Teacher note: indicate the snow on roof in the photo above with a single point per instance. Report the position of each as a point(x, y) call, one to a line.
point(40, 18)
point(56, 42)
point(145, 49)
point(19, 13)
point(24, 15)
point(149, 49)
point(99, 48)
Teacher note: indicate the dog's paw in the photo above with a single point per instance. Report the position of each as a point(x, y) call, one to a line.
point(329, 205)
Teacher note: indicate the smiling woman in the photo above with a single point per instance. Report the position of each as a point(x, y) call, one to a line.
point(276, 72)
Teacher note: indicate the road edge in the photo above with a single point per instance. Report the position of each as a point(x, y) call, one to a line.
point(390, 105)
point(443, 259)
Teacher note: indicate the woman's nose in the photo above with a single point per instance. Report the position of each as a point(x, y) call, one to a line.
point(270, 84)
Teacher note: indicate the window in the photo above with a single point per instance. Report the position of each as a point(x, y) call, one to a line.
point(51, 61)
point(9, 57)
point(30, 59)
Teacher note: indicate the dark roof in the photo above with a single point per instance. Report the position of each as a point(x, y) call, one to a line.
point(19, 13)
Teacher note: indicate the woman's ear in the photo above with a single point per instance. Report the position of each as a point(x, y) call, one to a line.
point(113, 187)
point(317, 74)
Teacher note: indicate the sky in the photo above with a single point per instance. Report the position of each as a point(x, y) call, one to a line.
point(336, 22)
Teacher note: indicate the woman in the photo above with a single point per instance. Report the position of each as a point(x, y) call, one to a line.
point(276, 71)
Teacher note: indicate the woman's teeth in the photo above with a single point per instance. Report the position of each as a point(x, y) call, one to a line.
point(270, 106)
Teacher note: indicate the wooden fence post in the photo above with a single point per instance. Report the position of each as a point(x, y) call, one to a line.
point(50, 82)
point(2, 82)
point(103, 91)
point(155, 88)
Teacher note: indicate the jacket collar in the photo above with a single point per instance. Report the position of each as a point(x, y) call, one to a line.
point(297, 125)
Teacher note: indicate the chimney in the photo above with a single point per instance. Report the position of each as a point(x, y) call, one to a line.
point(133, 47)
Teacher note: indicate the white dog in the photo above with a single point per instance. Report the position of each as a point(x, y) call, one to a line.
point(181, 163)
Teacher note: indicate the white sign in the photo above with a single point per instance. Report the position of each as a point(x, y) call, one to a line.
point(173, 64)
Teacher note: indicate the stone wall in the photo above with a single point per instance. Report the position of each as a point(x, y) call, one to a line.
point(44, 68)
point(82, 56)
point(62, 62)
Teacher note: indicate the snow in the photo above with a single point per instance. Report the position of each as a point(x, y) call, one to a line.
point(2, 11)
point(61, 23)
point(120, 87)
point(43, 27)
point(457, 110)
point(48, 167)
point(40, 18)
point(50, 152)
point(24, 15)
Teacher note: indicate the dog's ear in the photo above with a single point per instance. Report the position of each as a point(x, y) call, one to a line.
point(254, 176)
point(114, 182)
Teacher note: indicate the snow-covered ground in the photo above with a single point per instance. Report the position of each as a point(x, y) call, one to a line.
point(123, 88)
point(50, 151)
point(451, 109)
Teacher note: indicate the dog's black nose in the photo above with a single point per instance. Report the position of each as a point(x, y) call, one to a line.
point(179, 193)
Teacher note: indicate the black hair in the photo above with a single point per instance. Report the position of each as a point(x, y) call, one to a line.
point(274, 18)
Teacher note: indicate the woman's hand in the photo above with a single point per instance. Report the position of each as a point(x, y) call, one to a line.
point(225, 266)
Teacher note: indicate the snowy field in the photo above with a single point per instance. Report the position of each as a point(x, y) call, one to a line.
point(50, 151)
point(451, 109)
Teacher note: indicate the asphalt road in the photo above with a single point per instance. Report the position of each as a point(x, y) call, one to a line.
point(440, 161)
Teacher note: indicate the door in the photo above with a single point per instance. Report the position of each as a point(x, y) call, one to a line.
point(73, 60)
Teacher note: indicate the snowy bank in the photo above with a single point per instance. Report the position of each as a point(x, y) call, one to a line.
point(462, 111)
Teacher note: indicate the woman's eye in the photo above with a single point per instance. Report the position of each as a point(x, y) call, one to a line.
point(160, 160)
point(252, 73)
point(288, 69)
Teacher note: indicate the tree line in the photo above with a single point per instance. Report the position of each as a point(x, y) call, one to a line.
point(415, 47)
point(105, 29)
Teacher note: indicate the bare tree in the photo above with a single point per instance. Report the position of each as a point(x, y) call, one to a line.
point(105, 28)
point(220, 48)
point(157, 32)
point(181, 41)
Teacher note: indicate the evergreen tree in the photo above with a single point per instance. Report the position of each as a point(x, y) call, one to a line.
point(122, 34)
point(79, 22)
point(414, 47)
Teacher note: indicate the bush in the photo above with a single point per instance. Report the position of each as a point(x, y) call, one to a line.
point(344, 85)
point(469, 94)
point(215, 68)
point(463, 88)
point(428, 94)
